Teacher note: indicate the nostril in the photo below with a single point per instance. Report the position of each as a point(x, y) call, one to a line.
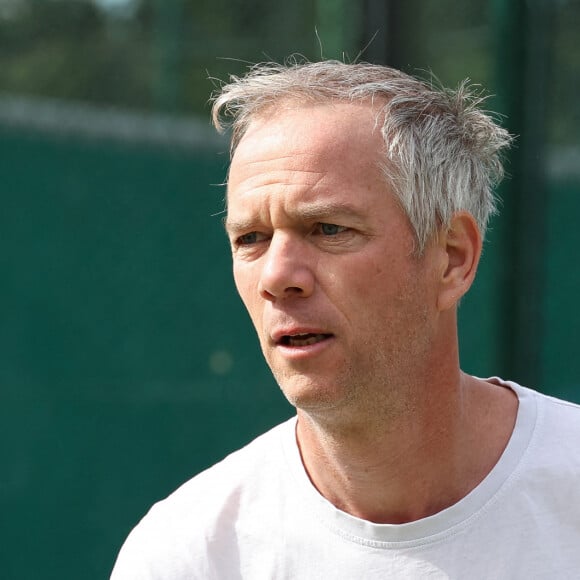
point(289, 292)
point(285, 272)
point(266, 294)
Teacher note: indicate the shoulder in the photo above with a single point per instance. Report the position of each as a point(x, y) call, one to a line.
point(566, 410)
point(558, 427)
point(233, 472)
point(544, 442)
point(546, 412)
point(555, 417)
point(553, 454)
point(175, 533)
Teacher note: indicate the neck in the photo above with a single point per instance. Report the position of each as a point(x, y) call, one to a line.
point(414, 462)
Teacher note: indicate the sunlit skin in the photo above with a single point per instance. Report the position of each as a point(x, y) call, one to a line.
point(321, 246)
point(358, 330)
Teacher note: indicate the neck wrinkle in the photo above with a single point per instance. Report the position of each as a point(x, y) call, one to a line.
point(415, 466)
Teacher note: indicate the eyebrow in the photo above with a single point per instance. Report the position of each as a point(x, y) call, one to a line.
point(323, 209)
point(312, 211)
point(234, 226)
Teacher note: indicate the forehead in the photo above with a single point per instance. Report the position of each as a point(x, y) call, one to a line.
point(337, 141)
point(312, 128)
point(310, 163)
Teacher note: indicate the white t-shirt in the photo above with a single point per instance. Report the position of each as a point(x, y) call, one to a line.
point(255, 515)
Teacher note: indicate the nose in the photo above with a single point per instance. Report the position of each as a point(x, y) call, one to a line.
point(286, 271)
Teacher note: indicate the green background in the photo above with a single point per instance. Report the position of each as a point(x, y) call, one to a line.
point(127, 361)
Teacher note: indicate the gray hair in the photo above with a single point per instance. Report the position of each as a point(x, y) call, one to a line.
point(442, 152)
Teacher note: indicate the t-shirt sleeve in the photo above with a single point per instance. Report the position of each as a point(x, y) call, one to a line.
point(152, 551)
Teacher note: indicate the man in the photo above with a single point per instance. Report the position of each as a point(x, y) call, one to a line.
point(357, 201)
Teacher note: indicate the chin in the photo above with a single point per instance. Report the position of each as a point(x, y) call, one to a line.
point(307, 393)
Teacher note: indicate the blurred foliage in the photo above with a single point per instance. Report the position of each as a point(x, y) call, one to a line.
point(158, 55)
point(565, 75)
point(162, 54)
point(447, 29)
point(73, 50)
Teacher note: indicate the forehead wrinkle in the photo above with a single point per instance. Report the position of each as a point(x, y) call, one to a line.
point(280, 177)
point(273, 157)
point(266, 153)
point(267, 177)
point(305, 212)
point(320, 209)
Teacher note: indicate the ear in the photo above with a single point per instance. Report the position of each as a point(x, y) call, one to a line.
point(461, 243)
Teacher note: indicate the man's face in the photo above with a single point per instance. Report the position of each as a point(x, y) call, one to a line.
point(323, 259)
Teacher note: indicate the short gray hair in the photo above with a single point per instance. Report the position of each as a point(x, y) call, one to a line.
point(442, 151)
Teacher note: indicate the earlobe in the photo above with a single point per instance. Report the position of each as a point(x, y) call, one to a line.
point(461, 243)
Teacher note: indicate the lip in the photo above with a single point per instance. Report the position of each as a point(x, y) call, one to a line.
point(300, 351)
point(278, 335)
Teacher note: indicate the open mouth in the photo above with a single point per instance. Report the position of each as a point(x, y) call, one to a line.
point(303, 339)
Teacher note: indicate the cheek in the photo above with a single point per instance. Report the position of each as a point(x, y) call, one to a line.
point(240, 282)
point(245, 276)
point(377, 277)
point(387, 290)
point(247, 287)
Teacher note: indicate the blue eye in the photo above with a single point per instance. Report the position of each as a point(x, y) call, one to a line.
point(250, 238)
point(331, 229)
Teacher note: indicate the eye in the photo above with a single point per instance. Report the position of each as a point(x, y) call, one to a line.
point(330, 229)
point(250, 238)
